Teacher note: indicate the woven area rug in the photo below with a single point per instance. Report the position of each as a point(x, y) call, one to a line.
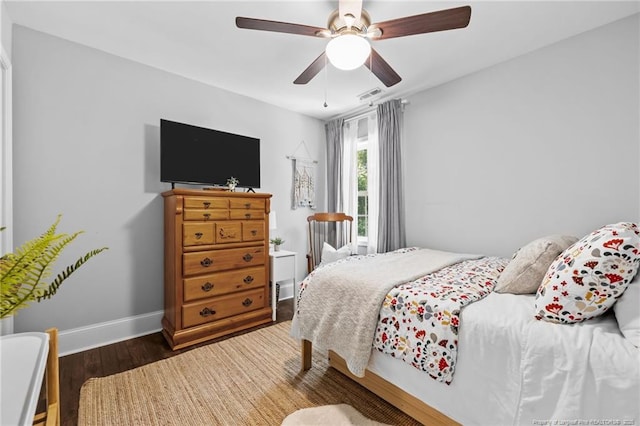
point(251, 379)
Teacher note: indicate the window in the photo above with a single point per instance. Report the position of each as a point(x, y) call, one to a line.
point(360, 180)
point(363, 196)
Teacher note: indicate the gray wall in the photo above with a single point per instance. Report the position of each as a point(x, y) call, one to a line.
point(86, 144)
point(5, 28)
point(545, 143)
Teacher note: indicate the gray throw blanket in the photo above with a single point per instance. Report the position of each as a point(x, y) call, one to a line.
point(338, 309)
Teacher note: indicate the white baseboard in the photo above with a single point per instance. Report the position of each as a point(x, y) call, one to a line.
point(101, 334)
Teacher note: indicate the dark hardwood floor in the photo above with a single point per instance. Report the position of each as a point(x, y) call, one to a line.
point(77, 368)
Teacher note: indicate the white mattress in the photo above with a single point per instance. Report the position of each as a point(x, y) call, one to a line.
point(486, 382)
point(513, 369)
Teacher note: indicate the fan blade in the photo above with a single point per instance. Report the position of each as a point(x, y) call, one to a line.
point(381, 69)
point(281, 27)
point(312, 70)
point(442, 20)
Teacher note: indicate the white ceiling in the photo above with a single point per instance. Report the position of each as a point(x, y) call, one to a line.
point(199, 40)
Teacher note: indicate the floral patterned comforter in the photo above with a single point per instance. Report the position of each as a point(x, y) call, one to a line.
point(419, 320)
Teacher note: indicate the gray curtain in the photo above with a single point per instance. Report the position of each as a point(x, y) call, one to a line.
point(391, 229)
point(335, 144)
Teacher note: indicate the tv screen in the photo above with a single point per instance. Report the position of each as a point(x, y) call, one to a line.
point(196, 155)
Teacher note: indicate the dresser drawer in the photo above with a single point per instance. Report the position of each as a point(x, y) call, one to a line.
point(222, 307)
point(220, 283)
point(205, 203)
point(246, 204)
point(203, 214)
point(194, 234)
point(252, 231)
point(220, 260)
point(246, 214)
point(228, 232)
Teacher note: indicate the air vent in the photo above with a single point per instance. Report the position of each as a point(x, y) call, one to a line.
point(369, 94)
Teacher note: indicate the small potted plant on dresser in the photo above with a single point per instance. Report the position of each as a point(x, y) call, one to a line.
point(232, 183)
point(22, 273)
point(277, 242)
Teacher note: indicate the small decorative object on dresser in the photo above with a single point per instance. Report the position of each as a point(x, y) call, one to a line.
point(232, 183)
point(216, 268)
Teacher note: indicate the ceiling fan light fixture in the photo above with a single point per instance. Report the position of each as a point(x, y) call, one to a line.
point(348, 51)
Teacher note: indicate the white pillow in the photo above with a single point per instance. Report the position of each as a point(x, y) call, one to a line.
point(588, 277)
point(524, 273)
point(330, 254)
point(627, 310)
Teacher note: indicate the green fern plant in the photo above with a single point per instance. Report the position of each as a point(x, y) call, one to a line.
point(23, 273)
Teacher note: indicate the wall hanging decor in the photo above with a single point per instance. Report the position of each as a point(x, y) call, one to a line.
point(304, 180)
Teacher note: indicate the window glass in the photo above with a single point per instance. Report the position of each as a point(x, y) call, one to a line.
point(363, 198)
point(361, 180)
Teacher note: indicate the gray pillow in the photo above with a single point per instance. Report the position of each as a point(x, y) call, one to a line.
point(524, 273)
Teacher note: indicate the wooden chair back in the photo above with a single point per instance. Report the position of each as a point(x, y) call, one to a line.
point(332, 228)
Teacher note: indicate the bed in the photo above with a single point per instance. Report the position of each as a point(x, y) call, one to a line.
point(505, 358)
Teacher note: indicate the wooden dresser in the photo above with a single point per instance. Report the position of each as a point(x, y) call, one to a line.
point(216, 264)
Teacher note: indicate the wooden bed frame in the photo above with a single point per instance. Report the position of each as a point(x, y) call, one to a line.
point(400, 399)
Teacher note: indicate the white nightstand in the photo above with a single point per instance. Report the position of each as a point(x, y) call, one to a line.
point(283, 268)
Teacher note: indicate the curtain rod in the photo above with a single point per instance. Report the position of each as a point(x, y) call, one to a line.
point(360, 113)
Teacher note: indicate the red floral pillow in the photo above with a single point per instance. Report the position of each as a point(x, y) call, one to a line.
point(586, 279)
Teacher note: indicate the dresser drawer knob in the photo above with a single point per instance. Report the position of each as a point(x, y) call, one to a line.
point(206, 216)
point(254, 232)
point(206, 262)
point(198, 235)
point(247, 302)
point(247, 205)
point(248, 279)
point(247, 215)
point(247, 257)
point(207, 286)
point(207, 312)
point(206, 204)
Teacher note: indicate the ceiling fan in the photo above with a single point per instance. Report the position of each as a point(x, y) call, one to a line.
point(350, 29)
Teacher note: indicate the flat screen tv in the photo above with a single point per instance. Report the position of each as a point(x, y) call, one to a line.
point(196, 155)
